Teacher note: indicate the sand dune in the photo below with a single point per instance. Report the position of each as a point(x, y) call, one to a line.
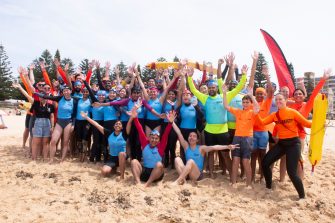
point(75, 192)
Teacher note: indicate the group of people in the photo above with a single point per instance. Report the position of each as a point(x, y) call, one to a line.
point(116, 119)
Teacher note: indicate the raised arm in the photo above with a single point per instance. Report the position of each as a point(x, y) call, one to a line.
point(141, 134)
point(24, 73)
point(31, 73)
point(318, 87)
point(231, 94)
point(90, 71)
point(166, 90)
point(254, 102)
point(18, 86)
point(182, 141)
point(162, 144)
point(220, 62)
point(201, 97)
point(46, 76)
point(144, 91)
point(91, 121)
point(224, 97)
point(97, 65)
point(231, 58)
point(61, 72)
point(107, 69)
point(269, 88)
point(253, 69)
point(25, 84)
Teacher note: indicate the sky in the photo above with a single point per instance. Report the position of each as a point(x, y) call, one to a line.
point(142, 31)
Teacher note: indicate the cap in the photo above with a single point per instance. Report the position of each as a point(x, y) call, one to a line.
point(100, 92)
point(154, 132)
point(77, 83)
point(212, 83)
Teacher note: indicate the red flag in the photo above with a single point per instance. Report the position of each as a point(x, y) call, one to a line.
point(279, 60)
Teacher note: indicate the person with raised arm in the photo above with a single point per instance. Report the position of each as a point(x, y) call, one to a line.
point(216, 129)
point(117, 140)
point(287, 121)
point(304, 108)
point(264, 99)
point(152, 149)
point(195, 154)
point(65, 118)
point(245, 119)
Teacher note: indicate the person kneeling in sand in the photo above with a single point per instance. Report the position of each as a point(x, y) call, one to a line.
point(152, 151)
point(194, 154)
point(117, 141)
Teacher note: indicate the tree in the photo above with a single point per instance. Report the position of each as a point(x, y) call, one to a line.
point(260, 80)
point(84, 65)
point(161, 59)
point(6, 78)
point(123, 70)
point(49, 66)
point(176, 59)
point(291, 69)
point(71, 64)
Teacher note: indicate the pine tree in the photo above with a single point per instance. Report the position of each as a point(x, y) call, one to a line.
point(6, 79)
point(161, 59)
point(260, 80)
point(123, 70)
point(71, 64)
point(176, 59)
point(291, 69)
point(84, 65)
point(49, 66)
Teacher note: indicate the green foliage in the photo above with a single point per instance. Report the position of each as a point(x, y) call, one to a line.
point(291, 69)
point(260, 80)
point(49, 66)
point(6, 78)
point(71, 64)
point(176, 59)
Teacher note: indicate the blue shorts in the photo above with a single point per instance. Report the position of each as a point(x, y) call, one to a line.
point(261, 140)
point(42, 128)
point(245, 142)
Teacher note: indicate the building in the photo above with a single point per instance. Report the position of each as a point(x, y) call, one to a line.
point(328, 88)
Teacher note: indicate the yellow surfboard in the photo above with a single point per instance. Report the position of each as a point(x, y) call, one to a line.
point(174, 65)
point(320, 107)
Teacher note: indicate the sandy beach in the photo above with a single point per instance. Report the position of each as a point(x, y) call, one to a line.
point(75, 192)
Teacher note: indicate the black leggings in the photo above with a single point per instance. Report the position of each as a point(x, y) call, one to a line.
point(135, 145)
point(291, 148)
point(97, 143)
point(170, 150)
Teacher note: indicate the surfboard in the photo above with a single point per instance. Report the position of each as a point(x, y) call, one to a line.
point(320, 107)
point(174, 65)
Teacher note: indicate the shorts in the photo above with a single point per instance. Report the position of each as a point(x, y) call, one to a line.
point(64, 122)
point(216, 139)
point(146, 172)
point(245, 142)
point(152, 124)
point(231, 135)
point(261, 139)
point(201, 176)
point(113, 161)
point(271, 140)
point(26, 123)
point(42, 128)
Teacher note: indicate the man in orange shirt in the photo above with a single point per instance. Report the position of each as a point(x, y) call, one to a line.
point(245, 120)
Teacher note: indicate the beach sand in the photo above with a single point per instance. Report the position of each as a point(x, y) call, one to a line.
point(75, 192)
